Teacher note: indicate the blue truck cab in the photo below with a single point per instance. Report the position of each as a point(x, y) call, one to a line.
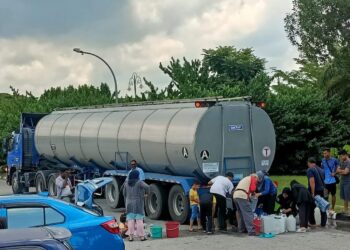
point(22, 156)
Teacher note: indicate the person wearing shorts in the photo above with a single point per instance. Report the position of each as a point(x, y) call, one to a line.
point(344, 171)
point(194, 203)
point(329, 165)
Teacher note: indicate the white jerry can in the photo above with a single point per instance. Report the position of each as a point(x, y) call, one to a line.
point(291, 224)
point(274, 224)
point(317, 216)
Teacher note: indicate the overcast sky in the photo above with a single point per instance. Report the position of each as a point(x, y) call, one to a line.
point(37, 37)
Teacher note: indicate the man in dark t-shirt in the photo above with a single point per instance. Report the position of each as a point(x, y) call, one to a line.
point(315, 176)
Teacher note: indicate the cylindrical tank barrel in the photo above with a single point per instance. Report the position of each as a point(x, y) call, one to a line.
point(177, 139)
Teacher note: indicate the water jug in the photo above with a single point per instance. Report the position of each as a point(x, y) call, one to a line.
point(291, 223)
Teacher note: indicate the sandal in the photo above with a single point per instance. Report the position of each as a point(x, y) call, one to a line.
point(143, 239)
point(131, 239)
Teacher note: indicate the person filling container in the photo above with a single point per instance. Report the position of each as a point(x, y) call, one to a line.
point(266, 193)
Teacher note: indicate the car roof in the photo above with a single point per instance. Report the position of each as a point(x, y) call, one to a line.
point(24, 234)
point(26, 198)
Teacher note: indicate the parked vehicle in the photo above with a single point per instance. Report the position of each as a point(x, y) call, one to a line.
point(174, 143)
point(42, 238)
point(89, 229)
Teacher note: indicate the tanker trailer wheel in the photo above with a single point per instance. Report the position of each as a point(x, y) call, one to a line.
point(51, 184)
point(113, 194)
point(40, 182)
point(155, 202)
point(179, 206)
point(17, 187)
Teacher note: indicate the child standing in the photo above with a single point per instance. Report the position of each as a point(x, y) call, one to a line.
point(194, 202)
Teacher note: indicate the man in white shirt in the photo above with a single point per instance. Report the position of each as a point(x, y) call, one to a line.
point(63, 183)
point(220, 187)
point(134, 166)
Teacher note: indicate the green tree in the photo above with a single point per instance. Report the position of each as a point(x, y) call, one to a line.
point(305, 120)
point(224, 71)
point(321, 31)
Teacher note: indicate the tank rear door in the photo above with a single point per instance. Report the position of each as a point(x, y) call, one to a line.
point(237, 141)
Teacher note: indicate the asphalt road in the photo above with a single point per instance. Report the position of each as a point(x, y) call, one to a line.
point(317, 239)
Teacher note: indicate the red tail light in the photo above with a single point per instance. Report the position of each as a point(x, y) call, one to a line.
point(198, 104)
point(261, 105)
point(111, 226)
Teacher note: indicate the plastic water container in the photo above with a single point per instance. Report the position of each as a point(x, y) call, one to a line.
point(317, 216)
point(274, 224)
point(291, 224)
point(257, 222)
point(172, 229)
point(156, 231)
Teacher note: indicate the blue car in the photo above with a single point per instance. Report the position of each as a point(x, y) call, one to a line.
point(90, 230)
point(42, 238)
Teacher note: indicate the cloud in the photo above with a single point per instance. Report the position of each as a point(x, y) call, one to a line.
point(132, 36)
point(36, 65)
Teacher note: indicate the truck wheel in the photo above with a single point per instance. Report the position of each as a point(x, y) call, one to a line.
point(51, 185)
point(178, 203)
point(40, 183)
point(17, 187)
point(155, 202)
point(113, 194)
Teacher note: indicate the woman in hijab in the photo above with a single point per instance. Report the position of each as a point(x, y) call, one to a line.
point(303, 200)
point(134, 192)
point(285, 199)
point(267, 192)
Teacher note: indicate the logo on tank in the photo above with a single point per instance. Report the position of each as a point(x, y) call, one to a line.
point(204, 155)
point(266, 151)
point(185, 152)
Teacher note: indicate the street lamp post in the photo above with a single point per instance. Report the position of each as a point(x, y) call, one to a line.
point(135, 80)
point(115, 81)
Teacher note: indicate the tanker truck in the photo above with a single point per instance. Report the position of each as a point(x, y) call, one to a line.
point(174, 143)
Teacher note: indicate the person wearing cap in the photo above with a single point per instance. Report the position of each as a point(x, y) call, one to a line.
point(242, 197)
point(316, 186)
point(221, 186)
point(266, 193)
point(344, 171)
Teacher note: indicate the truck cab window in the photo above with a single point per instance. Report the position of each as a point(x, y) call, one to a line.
point(25, 217)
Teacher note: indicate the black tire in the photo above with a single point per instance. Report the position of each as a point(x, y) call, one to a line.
point(156, 203)
point(51, 185)
point(17, 187)
point(113, 194)
point(179, 205)
point(40, 182)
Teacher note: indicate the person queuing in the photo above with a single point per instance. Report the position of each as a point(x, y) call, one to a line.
point(344, 171)
point(303, 199)
point(220, 187)
point(134, 192)
point(241, 196)
point(133, 165)
point(207, 203)
point(315, 176)
point(266, 193)
point(329, 165)
point(285, 199)
point(194, 203)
